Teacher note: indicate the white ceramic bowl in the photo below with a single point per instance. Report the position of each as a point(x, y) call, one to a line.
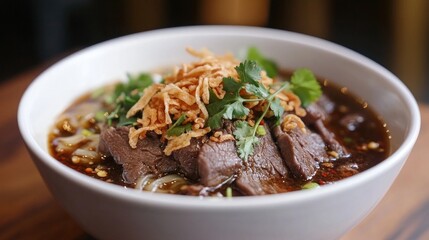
point(108, 211)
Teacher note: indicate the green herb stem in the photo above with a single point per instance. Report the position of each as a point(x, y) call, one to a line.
point(252, 99)
point(283, 87)
point(269, 99)
point(255, 127)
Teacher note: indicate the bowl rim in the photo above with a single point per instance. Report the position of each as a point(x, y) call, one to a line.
point(192, 202)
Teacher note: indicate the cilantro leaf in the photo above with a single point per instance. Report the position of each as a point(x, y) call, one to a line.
point(215, 104)
point(246, 139)
point(230, 85)
point(215, 120)
point(235, 110)
point(249, 72)
point(242, 129)
point(218, 107)
point(177, 129)
point(139, 82)
point(245, 146)
point(229, 107)
point(277, 109)
point(124, 96)
point(305, 86)
point(216, 110)
point(124, 121)
point(268, 65)
point(259, 90)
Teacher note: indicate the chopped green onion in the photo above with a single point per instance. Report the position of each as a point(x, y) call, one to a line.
point(177, 129)
point(228, 192)
point(261, 130)
point(268, 65)
point(124, 96)
point(100, 116)
point(310, 185)
point(86, 133)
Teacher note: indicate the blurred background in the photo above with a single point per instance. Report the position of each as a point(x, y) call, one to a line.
point(393, 33)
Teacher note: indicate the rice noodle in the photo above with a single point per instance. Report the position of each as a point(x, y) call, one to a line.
point(143, 181)
point(69, 143)
point(174, 179)
point(85, 156)
point(86, 153)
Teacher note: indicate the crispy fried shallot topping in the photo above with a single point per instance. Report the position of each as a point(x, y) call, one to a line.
point(187, 92)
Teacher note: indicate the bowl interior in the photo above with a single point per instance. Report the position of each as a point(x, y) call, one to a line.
point(57, 87)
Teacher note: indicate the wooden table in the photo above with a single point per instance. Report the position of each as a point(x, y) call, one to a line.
point(28, 210)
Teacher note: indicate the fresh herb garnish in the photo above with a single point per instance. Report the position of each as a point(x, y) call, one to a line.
point(260, 130)
point(125, 96)
point(86, 133)
point(228, 192)
point(305, 86)
point(177, 128)
point(249, 72)
point(268, 65)
point(231, 106)
point(310, 185)
point(246, 139)
point(303, 83)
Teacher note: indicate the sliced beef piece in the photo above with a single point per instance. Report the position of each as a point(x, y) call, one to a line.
point(147, 158)
point(317, 114)
point(330, 140)
point(319, 110)
point(314, 113)
point(187, 158)
point(265, 171)
point(301, 151)
point(217, 162)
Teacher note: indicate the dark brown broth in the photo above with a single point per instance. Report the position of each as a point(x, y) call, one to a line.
point(372, 130)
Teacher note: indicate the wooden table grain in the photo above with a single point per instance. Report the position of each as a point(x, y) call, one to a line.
point(28, 210)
